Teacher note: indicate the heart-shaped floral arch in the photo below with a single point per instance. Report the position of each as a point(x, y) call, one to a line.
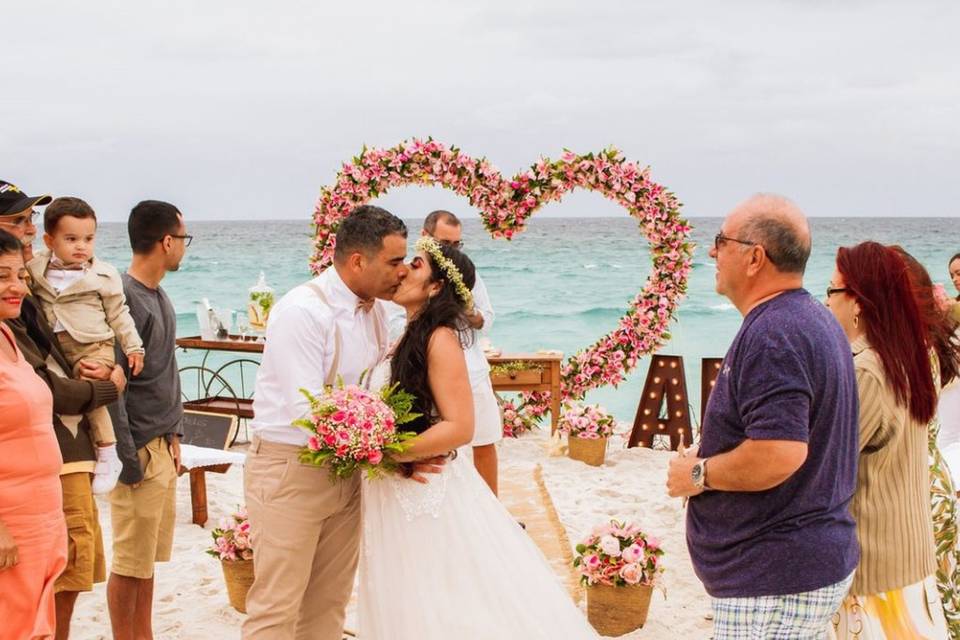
point(505, 205)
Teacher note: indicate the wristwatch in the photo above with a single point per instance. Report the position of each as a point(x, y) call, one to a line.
point(699, 474)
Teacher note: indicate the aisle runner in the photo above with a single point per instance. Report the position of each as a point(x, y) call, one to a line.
point(522, 492)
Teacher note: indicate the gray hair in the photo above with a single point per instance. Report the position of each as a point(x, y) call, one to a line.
point(780, 228)
point(364, 230)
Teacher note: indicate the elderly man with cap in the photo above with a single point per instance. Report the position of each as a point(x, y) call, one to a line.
point(72, 398)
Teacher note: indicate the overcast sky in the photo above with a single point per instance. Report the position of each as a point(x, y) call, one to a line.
point(237, 109)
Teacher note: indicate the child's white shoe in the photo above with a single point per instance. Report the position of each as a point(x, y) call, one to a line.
point(107, 471)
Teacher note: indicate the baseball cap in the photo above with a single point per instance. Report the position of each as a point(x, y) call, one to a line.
point(14, 201)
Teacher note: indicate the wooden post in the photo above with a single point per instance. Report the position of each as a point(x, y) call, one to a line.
point(665, 381)
point(709, 370)
point(554, 396)
point(198, 495)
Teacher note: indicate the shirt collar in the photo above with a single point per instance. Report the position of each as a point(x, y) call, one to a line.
point(860, 344)
point(340, 294)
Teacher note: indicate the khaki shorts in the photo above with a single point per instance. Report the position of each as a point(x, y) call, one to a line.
point(144, 518)
point(85, 563)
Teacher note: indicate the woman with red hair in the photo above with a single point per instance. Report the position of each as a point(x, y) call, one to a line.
point(944, 348)
point(894, 591)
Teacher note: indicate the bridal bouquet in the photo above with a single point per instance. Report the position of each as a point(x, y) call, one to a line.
point(351, 428)
point(619, 554)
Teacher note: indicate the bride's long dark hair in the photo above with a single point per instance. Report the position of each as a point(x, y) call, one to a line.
point(445, 309)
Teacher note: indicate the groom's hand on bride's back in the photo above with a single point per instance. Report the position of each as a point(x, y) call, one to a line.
point(429, 465)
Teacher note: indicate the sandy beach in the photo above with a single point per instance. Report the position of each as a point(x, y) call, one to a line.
point(191, 601)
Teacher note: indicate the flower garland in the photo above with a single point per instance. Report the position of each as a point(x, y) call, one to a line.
point(505, 204)
point(432, 247)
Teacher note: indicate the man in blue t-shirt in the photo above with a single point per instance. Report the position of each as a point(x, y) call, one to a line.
point(768, 525)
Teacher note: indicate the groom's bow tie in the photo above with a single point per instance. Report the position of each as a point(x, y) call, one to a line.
point(365, 305)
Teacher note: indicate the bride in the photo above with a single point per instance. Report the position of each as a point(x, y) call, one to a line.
point(443, 558)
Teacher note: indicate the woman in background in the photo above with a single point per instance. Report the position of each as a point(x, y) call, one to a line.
point(944, 349)
point(33, 534)
point(894, 592)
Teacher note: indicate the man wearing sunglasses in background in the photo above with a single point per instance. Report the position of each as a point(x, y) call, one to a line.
point(768, 522)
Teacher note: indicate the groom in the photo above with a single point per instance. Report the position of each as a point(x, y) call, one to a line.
point(305, 528)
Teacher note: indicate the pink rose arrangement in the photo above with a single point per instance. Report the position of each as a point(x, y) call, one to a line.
point(941, 297)
point(515, 423)
point(231, 540)
point(590, 422)
point(619, 554)
point(506, 203)
point(351, 428)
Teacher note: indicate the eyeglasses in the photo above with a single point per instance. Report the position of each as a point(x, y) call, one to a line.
point(456, 244)
point(720, 239)
point(22, 220)
point(833, 290)
point(186, 239)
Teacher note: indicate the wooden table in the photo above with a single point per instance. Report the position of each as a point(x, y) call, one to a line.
point(542, 374)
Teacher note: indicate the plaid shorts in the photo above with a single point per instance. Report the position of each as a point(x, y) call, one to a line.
point(798, 616)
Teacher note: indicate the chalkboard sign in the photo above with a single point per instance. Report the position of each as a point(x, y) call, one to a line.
point(213, 430)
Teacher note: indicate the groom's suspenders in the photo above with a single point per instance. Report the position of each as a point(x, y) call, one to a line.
point(331, 378)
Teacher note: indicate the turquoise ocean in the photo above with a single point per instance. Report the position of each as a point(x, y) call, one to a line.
point(559, 285)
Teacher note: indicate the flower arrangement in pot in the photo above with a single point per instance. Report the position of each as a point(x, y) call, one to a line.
point(231, 544)
point(619, 565)
point(587, 428)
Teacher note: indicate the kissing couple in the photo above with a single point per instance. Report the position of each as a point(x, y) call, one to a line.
point(439, 556)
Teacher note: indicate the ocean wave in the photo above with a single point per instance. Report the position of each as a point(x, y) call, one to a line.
point(723, 306)
point(592, 312)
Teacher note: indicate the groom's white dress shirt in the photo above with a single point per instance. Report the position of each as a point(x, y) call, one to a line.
point(300, 351)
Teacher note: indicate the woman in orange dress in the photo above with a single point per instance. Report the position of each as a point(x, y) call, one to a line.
point(33, 534)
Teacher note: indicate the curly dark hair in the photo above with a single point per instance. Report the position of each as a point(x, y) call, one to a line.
point(446, 309)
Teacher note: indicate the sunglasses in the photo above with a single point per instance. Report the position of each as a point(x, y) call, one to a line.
point(186, 239)
point(833, 290)
point(456, 244)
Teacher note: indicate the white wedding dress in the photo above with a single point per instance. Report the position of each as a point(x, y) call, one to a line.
point(446, 561)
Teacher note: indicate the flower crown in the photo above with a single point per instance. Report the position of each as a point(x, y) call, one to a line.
point(432, 247)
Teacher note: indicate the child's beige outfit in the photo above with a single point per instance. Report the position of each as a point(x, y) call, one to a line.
point(88, 311)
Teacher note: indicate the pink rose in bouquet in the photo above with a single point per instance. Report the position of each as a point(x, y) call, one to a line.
point(231, 540)
point(351, 428)
point(590, 422)
point(619, 554)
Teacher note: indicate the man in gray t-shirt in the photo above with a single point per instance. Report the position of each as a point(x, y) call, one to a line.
point(147, 423)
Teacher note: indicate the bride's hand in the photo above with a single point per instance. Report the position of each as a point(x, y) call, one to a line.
point(428, 465)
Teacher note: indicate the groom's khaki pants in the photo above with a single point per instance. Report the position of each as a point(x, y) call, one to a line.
point(305, 531)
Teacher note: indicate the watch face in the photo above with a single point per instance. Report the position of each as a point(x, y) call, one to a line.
point(697, 473)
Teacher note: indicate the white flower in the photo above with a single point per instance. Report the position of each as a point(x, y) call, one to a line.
point(610, 545)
